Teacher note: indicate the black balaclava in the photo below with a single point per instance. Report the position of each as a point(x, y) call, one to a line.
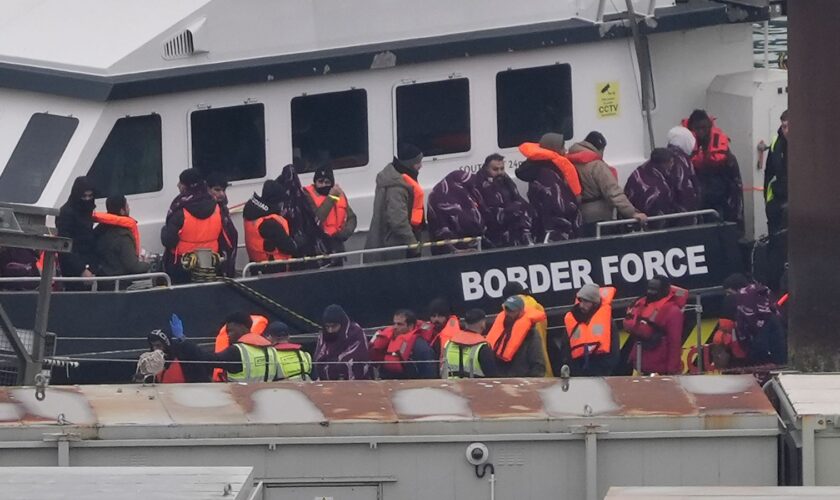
point(662, 291)
point(80, 186)
point(324, 173)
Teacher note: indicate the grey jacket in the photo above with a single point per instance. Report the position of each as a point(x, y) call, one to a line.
point(529, 360)
point(391, 223)
point(601, 191)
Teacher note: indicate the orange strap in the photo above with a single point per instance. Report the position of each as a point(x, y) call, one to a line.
point(535, 152)
point(418, 201)
point(121, 221)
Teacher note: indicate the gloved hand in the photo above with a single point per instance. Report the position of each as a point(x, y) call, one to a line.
point(176, 326)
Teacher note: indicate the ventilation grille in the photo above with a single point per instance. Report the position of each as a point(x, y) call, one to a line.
point(181, 45)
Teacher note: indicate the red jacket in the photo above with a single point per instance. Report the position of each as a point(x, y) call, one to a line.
point(662, 343)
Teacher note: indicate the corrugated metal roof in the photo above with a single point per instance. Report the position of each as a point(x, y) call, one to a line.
point(706, 401)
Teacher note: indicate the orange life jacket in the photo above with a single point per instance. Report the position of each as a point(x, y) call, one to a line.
point(258, 326)
point(594, 337)
point(418, 202)
point(506, 346)
point(394, 349)
point(199, 233)
point(715, 154)
point(121, 221)
point(533, 151)
point(338, 214)
point(452, 327)
point(649, 311)
point(172, 374)
point(255, 243)
point(288, 346)
point(725, 335)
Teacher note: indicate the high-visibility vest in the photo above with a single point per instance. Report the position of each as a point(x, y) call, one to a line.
point(769, 194)
point(418, 202)
point(293, 363)
point(461, 354)
point(594, 337)
point(259, 360)
point(120, 221)
point(199, 233)
point(172, 374)
point(338, 213)
point(507, 344)
point(255, 243)
point(258, 325)
point(534, 152)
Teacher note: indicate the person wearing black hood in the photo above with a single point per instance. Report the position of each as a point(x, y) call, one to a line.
point(180, 354)
point(194, 221)
point(332, 211)
point(75, 221)
point(342, 349)
point(398, 205)
point(266, 231)
point(217, 185)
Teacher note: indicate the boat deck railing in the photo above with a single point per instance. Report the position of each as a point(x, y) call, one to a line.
point(695, 214)
point(138, 281)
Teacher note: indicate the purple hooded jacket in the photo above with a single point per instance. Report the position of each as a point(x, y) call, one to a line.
point(453, 211)
point(348, 347)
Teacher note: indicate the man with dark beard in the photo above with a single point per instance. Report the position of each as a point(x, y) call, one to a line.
point(342, 350)
point(655, 323)
point(75, 221)
point(594, 348)
point(506, 214)
point(515, 340)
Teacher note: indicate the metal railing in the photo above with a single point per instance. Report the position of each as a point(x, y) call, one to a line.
point(249, 269)
point(656, 218)
point(94, 280)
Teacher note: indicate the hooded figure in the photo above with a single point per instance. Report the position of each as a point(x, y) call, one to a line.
point(217, 184)
point(342, 348)
point(650, 186)
point(295, 207)
point(553, 189)
point(507, 215)
point(398, 205)
point(75, 221)
point(686, 187)
point(269, 239)
point(332, 211)
point(600, 192)
point(453, 212)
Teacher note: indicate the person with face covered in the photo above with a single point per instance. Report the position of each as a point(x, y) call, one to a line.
point(75, 221)
point(332, 211)
point(507, 216)
point(217, 185)
point(342, 350)
point(594, 348)
point(655, 323)
point(267, 233)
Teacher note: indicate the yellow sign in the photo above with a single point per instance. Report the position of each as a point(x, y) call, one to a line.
point(607, 99)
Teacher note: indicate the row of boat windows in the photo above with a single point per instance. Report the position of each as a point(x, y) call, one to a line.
point(330, 128)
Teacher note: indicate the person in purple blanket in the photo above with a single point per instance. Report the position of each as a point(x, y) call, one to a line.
point(686, 187)
point(507, 216)
point(343, 342)
point(453, 212)
point(650, 187)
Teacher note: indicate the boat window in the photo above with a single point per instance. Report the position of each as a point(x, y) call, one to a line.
point(130, 161)
point(230, 141)
point(533, 101)
point(330, 129)
point(35, 157)
point(435, 116)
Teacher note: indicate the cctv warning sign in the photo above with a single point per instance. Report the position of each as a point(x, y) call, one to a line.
point(607, 99)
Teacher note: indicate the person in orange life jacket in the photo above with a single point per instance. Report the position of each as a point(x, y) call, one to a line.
point(178, 352)
point(717, 168)
point(117, 240)
point(258, 326)
point(332, 211)
point(217, 185)
point(75, 221)
point(594, 344)
point(514, 338)
point(238, 326)
point(655, 323)
point(553, 188)
point(474, 333)
point(404, 350)
point(398, 205)
point(600, 192)
point(440, 317)
point(516, 288)
point(750, 327)
point(266, 231)
point(194, 221)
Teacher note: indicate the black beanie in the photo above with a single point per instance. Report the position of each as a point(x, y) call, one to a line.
point(324, 172)
point(160, 336)
point(190, 177)
point(409, 154)
point(440, 307)
point(597, 139)
point(272, 191)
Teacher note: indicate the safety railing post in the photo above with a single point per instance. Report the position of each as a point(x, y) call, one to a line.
point(699, 214)
point(639, 357)
point(698, 314)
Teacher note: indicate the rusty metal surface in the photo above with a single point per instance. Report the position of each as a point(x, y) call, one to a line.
point(384, 402)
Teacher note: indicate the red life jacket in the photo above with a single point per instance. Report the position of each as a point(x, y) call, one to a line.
point(715, 154)
point(172, 374)
point(255, 243)
point(586, 156)
point(199, 233)
point(649, 311)
point(535, 152)
point(418, 203)
point(393, 349)
point(121, 221)
point(338, 214)
point(258, 326)
point(506, 346)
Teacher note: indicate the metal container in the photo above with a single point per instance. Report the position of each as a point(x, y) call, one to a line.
point(545, 438)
